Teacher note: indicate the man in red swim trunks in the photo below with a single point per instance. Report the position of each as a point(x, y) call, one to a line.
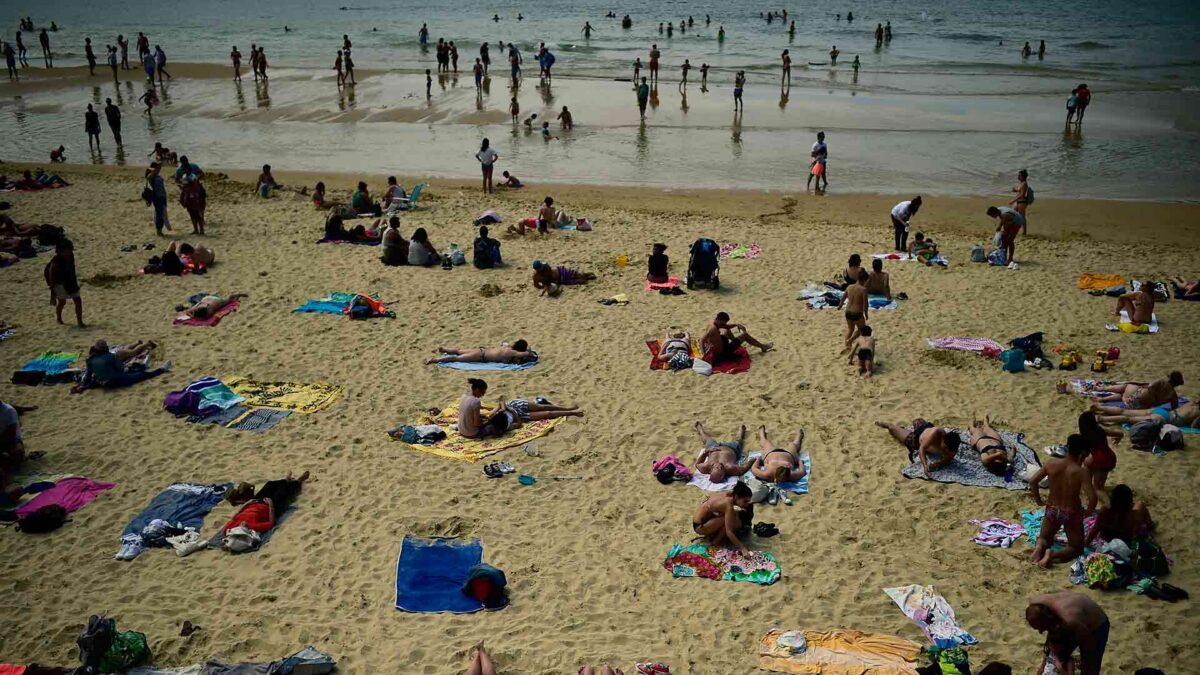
point(1067, 477)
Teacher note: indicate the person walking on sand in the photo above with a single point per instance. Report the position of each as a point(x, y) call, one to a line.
point(487, 157)
point(91, 125)
point(820, 159)
point(858, 309)
point(158, 197)
point(63, 281)
point(703, 77)
point(90, 55)
point(643, 97)
point(236, 57)
point(262, 65)
point(1023, 199)
point(786, 78)
point(739, 85)
point(1070, 621)
point(44, 39)
point(113, 114)
point(654, 56)
point(902, 215)
point(22, 52)
point(1067, 477)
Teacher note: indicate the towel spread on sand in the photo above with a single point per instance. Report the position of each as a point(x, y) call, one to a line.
point(1031, 521)
point(294, 396)
point(339, 303)
point(743, 251)
point(997, 532)
point(966, 469)
point(321, 307)
point(1099, 282)
point(1126, 326)
point(181, 505)
point(488, 365)
point(671, 282)
point(375, 242)
point(980, 346)
point(474, 449)
point(799, 487)
point(738, 363)
point(430, 574)
point(185, 320)
point(826, 297)
point(932, 614)
point(940, 259)
point(837, 652)
point(718, 563)
point(242, 418)
point(71, 493)
point(659, 364)
point(51, 363)
point(210, 395)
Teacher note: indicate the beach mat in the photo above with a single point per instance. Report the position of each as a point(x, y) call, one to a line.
point(243, 418)
point(799, 487)
point(966, 469)
point(294, 396)
point(967, 344)
point(826, 297)
point(904, 257)
point(51, 363)
point(1099, 282)
point(488, 366)
point(71, 493)
point(321, 307)
point(837, 651)
point(474, 449)
point(430, 574)
point(1124, 325)
point(353, 243)
point(183, 505)
point(185, 320)
point(721, 564)
point(932, 614)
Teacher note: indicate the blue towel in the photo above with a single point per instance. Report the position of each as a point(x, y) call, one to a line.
point(489, 366)
point(51, 363)
point(430, 574)
point(181, 505)
point(322, 307)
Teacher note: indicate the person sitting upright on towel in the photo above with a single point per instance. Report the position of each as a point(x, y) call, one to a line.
point(1139, 305)
point(658, 266)
point(720, 342)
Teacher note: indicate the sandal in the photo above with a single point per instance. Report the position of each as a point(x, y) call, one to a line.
point(491, 471)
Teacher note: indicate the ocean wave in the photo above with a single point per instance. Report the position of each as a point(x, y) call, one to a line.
point(1089, 45)
point(971, 37)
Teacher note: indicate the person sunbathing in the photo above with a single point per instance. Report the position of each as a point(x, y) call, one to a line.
point(48, 179)
point(924, 440)
point(481, 662)
point(1184, 289)
point(777, 465)
point(335, 230)
point(199, 255)
point(1138, 304)
point(550, 280)
point(717, 518)
point(209, 305)
point(995, 456)
point(676, 349)
point(10, 227)
point(1122, 519)
point(115, 369)
point(1187, 415)
point(518, 352)
point(720, 459)
point(260, 510)
point(532, 411)
point(27, 182)
point(1141, 395)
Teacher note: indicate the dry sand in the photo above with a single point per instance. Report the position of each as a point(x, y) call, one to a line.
point(584, 557)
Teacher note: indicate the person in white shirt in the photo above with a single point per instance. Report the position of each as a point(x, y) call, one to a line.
point(820, 155)
point(394, 191)
point(12, 447)
point(902, 213)
point(487, 157)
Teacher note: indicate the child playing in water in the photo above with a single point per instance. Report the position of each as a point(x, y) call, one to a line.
point(515, 109)
point(864, 350)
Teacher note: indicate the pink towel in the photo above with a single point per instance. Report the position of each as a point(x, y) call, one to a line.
point(671, 282)
point(210, 321)
point(69, 493)
point(983, 346)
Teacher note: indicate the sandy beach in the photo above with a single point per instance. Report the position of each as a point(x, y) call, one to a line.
point(583, 557)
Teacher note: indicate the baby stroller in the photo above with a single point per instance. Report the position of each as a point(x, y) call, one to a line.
point(703, 267)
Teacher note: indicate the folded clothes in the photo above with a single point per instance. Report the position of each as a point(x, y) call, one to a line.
point(826, 297)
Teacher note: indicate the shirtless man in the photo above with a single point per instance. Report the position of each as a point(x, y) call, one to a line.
point(878, 281)
point(719, 340)
point(210, 305)
point(1139, 305)
point(550, 280)
point(1185, 416)
point(719, 459)
point(1070, 620)
point(12, 447)
point(517, 353)
point(717, 519)
point(857, 307)
point(925, 439)
point(1067, 477)
point(777, 465)
point(1137, 395)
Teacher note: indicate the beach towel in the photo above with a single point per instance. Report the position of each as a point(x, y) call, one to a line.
point(242, 418)
point(185, 320)
point(374, 242)
point(181, 506)
point(307, 661)
point(488, 366)
point(966, 469)
point(671, 282)
point(70, 493)
point(1099, 282)
point(203, 396)
point(1031, 521)
point(827, 297)
point(294, 396)
point(981, 346)
point(837, 652)
point(430, 574)
point(1126, 326)
point(321, 307)
point(658, 364)
point(799, 487)
point(743, 251)
point(940, 259)
point(474, 449)
point(738, 362)
point(932, 614)
point(51, 363)
point(997, 532)
point(717, 563)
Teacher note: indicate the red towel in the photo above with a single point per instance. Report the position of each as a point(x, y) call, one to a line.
point(212, 320)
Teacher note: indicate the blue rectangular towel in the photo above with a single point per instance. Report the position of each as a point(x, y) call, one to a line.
point(430, 574)
point(322, 307)
point(488, 366)
point(182, 505)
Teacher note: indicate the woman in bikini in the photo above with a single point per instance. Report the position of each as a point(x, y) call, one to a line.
point(210, 305)
point(1122, 519)
point(1102, 459)
point(519, 352)
point(993, 454)
point(1187, 415)
point(1137, 395)
point(777, 465)
point(850, 274)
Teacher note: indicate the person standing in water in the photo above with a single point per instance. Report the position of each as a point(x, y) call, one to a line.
point(1026, 51)
point(44, 38)
point(820, 159)
point(878, 35)
point(887, 32)
point(123, 45)
point(703, 77)
point(236, 58)
point(22, 51)
point(485, 57)
point(587, 30)
point(684, 69)
point(348, 64)
point(113, 114)
point(786, 78)
point(643, 97)
point(423, 35)
point(637, 71)
point(833, 54)
point(1041, 50)
point(254, 60)
point(90, 56)
point(654, 56)
point(721, 34)
point(739, 86)
point(91, 125)
point(10, 61)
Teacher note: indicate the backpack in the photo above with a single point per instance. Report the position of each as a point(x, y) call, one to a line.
point(1013, 360)
point(1144, 435)
point(95, 640)
point(487, 585)
point(1028, 195)
point(128, 649)
point(45, 519)
point(978, 254)
point(1148, 558)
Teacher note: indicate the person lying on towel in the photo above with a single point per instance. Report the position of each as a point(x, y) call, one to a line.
point(1141, 395)
point(924, 440)
point(514, 413)
point(777, 465)
point(550, 280)
point(1184, 289)
point(261, 509)
point(117, 368)
point(519, 352)
point(335, 230)
point(719, 459)
point(210, 305)
point(1187, 415)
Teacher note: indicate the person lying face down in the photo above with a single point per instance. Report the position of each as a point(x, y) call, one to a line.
point(518, 352)
point(260, 510)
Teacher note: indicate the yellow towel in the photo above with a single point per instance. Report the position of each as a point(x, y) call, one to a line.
point(474, 449)
point(294, 396)
point(840, 652)
point(1099, 282)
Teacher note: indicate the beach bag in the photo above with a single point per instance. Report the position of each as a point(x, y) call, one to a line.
point(1028, 195)
point(147, 194)
point(1013, 360)
point(997, 238)
point(997, 258)
point(1148, 558)
point(128, 649)
point(701, 367)
point(583, 225)
point(669, 469)
point(487, 585)
point(241, 539)
point(1100, 570)
point(95, 640)
point(45, 519)
point(1144, 435)
point(457, 257)
point(978, 254)
point(1170, 437)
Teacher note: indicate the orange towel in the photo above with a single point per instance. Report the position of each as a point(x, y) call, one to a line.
point(1099, 282)
point(840, 652)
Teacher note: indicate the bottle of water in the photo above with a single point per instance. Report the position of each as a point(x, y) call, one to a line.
point(1008, 473)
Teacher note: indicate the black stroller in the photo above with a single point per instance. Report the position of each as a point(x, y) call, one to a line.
point(703, 266)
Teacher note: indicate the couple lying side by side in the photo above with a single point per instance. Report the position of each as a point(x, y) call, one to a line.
point(721, 459)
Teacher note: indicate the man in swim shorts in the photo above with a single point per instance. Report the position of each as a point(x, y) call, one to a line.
point(1136, 395)
point(857, 306)
point(1070, 621)
point(1064, 510)
point(719, 341)
point(550, 280)
point(209, 305)
point(925, 439)
point(779, 465)
point(720, 459)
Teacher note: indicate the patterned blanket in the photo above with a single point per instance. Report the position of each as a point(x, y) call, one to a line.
point(966, 469)
point(713, 562)
point(294, 396)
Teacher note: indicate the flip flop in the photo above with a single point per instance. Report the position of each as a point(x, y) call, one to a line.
point(526, 480)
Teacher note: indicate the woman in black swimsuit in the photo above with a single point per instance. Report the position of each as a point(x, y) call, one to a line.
point(778, 465)
point(993, 454)
point(850, 274)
